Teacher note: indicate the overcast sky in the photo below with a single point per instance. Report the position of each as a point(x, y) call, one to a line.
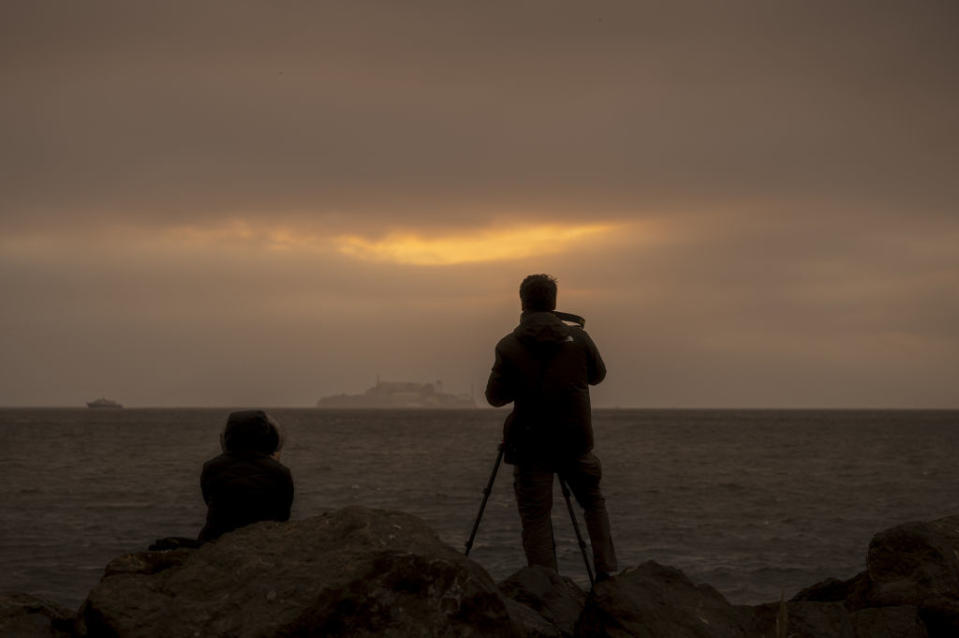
point(754, 204)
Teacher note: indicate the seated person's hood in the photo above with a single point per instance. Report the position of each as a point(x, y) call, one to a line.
point(251, 432)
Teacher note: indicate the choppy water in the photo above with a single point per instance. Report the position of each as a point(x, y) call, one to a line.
point(753, 502)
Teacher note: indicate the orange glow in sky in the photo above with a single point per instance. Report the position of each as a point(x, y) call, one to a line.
point(481, 246)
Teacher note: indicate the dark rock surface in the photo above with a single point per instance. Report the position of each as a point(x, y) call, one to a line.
point(915, 561)
point(888, 622)
point(654, 600)
point(542, 602)
point(801, 620)
point(912, 573)
point(835, 590)
point(361, 572)
point(917, 564)
point(27, 616)
point(529, 624)
point(353, 572)
point(805, 619)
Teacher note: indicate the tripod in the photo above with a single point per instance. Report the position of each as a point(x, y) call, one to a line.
point(569, 507)
point(486, 493)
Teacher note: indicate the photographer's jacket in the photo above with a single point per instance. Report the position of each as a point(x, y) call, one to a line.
point(545, 367)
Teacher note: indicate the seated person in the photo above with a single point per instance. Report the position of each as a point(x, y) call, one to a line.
point(246, 483)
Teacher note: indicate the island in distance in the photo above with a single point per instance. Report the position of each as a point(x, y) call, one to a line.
point(400, 394)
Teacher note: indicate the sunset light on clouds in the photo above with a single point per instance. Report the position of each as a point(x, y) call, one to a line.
point(478, 246)
point(414, 247)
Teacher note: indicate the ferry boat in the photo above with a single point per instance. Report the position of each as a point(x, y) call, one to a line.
point(103, 403)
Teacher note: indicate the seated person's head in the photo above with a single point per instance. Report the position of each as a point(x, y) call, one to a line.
point(251, 432)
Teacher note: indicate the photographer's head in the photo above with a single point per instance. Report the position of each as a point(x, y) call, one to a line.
point(538, 293)
point(251, 432)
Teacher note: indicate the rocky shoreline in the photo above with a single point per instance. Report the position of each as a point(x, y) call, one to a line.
point(363, 572)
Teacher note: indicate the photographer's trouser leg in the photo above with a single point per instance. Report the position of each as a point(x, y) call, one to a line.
point(583, 477)
point(534, 498)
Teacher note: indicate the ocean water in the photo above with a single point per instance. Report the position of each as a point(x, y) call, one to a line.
point(753, 502)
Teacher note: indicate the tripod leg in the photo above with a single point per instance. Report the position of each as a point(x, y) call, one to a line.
point(486, 493)
point(579, 536)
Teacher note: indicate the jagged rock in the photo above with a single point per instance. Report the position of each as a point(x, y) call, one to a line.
point(888, 622)
point(26, 616)
point(911, 586)
point(808, 619)
point(655, 601)
point(835, 590)
point(554, 600)
point(914, 565)
point(915, 562)
point(802, 620)
point(361, 572)
point(528, 624)
point(145, 563)
point(941, 617)
point(355, 572)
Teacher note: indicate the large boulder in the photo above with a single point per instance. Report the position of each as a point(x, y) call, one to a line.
point(799, 620)
point(910, 586)
point(542, 603)
point(655, 601)
point(914, 566)
point(888, 622)
point(529, 624)
point(361, 572)
point(807, 619)
point(27, 616)
point(915, 563)
point(836, 590)
point(353, 572)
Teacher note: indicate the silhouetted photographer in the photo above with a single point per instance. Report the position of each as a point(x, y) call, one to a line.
point(545, 367)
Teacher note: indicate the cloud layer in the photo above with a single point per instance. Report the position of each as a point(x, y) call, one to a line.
point(753, 204)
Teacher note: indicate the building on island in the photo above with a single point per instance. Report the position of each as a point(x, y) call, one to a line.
point(400, 394)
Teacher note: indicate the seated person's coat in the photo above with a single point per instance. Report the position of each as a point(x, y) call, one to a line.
point(246, 484)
